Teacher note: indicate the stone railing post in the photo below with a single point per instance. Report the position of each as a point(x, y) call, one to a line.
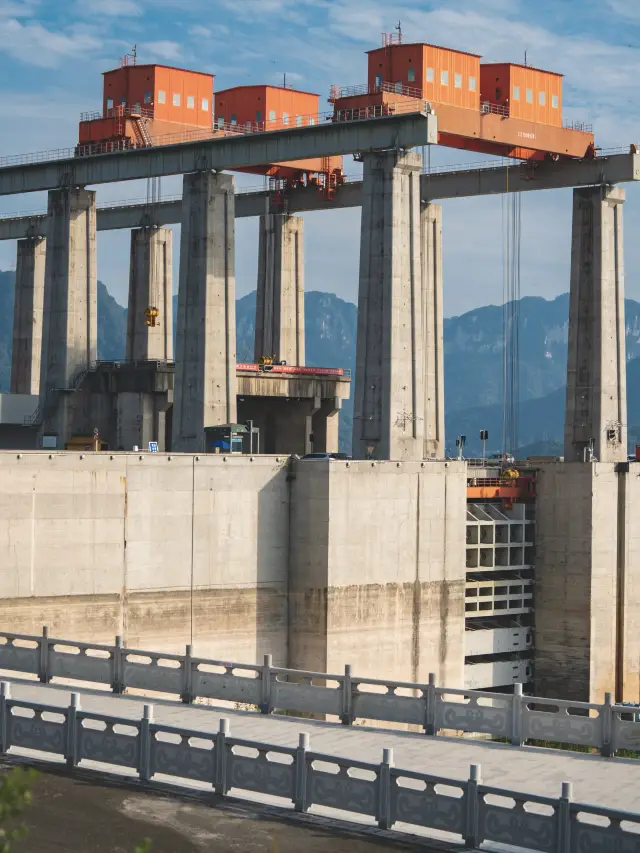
point(300, 802)
point(265, 685)
point(43, 675)
point(472, 833)
point(220, 785)
point(346, 718)
point(71, 746)
point(607, 748)
point(145, 743)
point(5, 695)
point(430, 706)
point(117, 667)
point(516, 715)
point(384, 790)
point(187, 677)
point(563, 813)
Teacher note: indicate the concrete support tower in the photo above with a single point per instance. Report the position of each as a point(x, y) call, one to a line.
point(432, 319)
point(280, 293)
point(150, 286)
point(27, 316)
point(596, 369)
point(70, 332)
point(205, 393)
point(389, 393)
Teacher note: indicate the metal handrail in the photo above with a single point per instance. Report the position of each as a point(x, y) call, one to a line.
point(488, 107)
point(585, 127)
point(374, 89)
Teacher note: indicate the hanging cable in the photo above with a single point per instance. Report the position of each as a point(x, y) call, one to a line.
point(511, 232)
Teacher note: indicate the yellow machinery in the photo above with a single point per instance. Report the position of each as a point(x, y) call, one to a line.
point(151, 315)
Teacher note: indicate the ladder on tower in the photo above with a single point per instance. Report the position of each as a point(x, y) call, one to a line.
point(141, 132)
point(328, 180)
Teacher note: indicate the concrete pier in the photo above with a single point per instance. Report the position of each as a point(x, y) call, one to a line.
point(70, 331)
point(280, 293)
point(596, 369)
point(205, 387)
point(150, 286)
point(432, 321)
point(389, 394)
point(27, 316)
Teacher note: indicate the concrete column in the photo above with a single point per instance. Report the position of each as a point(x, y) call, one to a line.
point(431, 243)
point(596, 369)
point(150, 285)
point(389, 392)
point(205, 383)
point(27, 316)
point(280, 293)
point(325, 426)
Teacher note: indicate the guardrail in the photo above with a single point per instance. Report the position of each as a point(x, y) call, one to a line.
point(297, 775)
point(516, 718)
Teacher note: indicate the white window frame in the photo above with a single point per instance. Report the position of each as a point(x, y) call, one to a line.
point(378, 79)
point(516, 93)
point(298, 121)
point(457, 81)
point(162, 96)
point(529, 96)
point(411, 75)
point(444, 78)
point(542, 99)
point(176, 99)
point(431, 75)
point(191, 102)
point(285, 118)
point(109, 103)
point(204, 105)
point(555, 102)
point(273, 116)
point(473, 83)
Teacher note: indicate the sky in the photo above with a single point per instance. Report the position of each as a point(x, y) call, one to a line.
point(53, 52)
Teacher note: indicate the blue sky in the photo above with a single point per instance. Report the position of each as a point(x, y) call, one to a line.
point(52, 53)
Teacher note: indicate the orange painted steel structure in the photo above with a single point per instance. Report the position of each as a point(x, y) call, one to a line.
point(143, 103)
point(505, 109)
point(496, 488)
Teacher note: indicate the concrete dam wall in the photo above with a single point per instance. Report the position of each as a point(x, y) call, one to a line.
point(318, 563)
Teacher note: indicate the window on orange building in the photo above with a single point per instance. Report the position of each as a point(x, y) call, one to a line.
point(162, 97)
point(529, 96)
point(298, 121)
point(205, 105)
point(272, 115)
point(147, 97)
point(312, 120)
point(472, 84)
point(516, 93)
point(554, 102)
point(430, 75)
point(176, 99)
point(285, 118)
point(542, 98)
point(411, 75)
point(444, 78)
point(457, 81)
point(109, 103)
point(191, 102)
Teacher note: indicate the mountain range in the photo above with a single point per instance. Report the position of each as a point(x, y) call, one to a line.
point(473, 360)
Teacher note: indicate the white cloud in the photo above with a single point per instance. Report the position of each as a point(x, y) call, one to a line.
point(208, 32)
point(16, 9)
point(155, 50)
point(34, 44)
point(625, 9)
point(108, 8)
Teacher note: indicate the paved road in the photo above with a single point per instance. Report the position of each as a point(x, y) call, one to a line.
point(605, 782)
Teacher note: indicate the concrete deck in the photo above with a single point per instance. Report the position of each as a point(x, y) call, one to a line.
point(607, 782)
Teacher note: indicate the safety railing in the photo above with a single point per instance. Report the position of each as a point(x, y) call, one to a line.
point(118, 112)
point(336, 92)
point(383, 793)
point(516, 718)
point(487, 107)
point(585, 127)
point(221, 129)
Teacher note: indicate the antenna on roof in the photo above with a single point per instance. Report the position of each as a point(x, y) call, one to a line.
point(134, 53)
point(399, 31)
point(525, 58)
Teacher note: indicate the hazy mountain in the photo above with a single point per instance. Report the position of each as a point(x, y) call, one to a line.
point(473, 360)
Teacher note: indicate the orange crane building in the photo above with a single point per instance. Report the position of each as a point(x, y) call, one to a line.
point(146, 105)
point(505, 109)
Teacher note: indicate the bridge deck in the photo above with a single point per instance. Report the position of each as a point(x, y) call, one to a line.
point(606, 782)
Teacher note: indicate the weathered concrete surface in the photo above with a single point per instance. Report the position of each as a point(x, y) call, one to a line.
point(280, 293)
point(587, 582)
point(389, 387)
point(27, 316)
point(70, 332)
point(596, 367)
point(377, 569)
point(165, 550)
point(150, 285)
point(432, 325)
point(205, 388)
